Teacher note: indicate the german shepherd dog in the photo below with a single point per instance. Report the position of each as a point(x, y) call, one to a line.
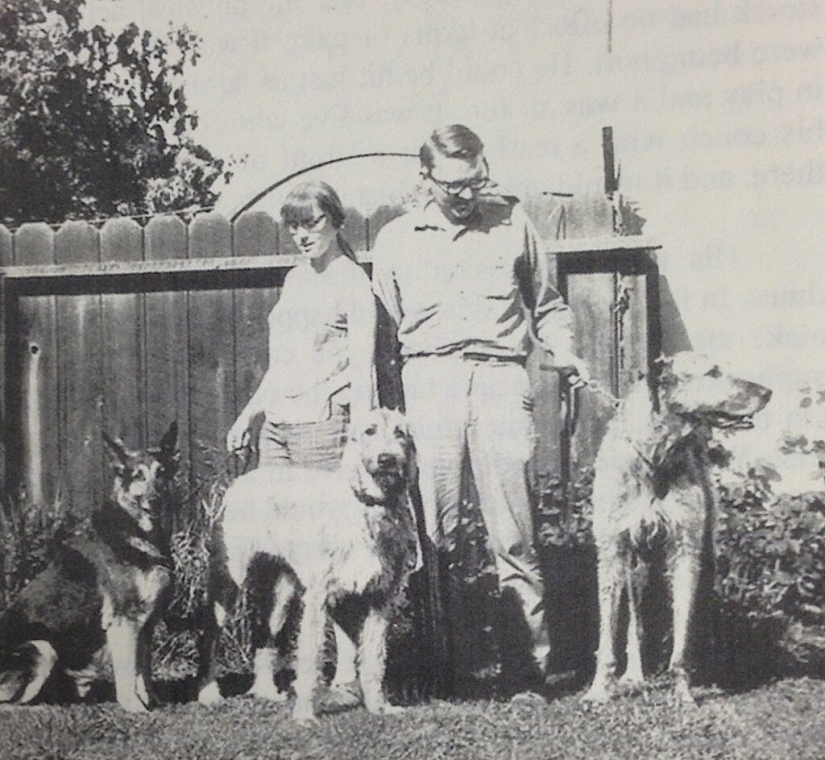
point(92, 610)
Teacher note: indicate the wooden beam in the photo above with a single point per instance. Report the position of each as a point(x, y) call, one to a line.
point(230, 272)
point(155, 267)
point(604, 244)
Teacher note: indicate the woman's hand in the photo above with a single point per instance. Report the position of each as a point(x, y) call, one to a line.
point(238, 436)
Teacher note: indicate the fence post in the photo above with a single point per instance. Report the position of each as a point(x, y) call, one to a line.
point(4, 412)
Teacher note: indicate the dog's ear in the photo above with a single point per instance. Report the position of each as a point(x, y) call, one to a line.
point(167, 450)
point(363, 485)
point(412, 458)
point(118, 454)
point(170, 438)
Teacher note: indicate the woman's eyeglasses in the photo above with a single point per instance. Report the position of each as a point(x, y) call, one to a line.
point(310, 225)
point(459, 186)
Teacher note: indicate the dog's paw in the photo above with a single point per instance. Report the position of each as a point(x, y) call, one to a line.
point(385, 708)
point(145, 692)
point(597, 694)
point(210, 694)
point(133, 704)
point(631, 682)
point(304, 713)
point(682, 695)
point(344, 694)
point(268, 691)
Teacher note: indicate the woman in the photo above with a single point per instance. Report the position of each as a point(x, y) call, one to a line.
point(321, 358)
point(321, 343)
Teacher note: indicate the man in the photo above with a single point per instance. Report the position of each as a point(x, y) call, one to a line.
point(467, 286)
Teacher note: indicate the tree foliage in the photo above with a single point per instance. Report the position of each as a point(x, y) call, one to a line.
point(93, 122)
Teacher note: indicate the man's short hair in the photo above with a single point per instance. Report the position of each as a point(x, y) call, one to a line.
point(452, 141)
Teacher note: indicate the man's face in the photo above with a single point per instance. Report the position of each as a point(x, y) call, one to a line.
point(455, 184)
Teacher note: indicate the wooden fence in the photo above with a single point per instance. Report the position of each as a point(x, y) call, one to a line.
point(123, 328)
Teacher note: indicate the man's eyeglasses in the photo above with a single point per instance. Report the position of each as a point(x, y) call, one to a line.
point(459, 186)
point(310, 225)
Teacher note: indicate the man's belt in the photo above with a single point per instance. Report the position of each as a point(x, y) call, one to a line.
point(474, 356)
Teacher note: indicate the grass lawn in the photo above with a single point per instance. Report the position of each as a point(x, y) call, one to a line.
point(785, 719)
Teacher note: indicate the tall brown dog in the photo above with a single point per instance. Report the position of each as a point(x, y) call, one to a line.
point(652, 479)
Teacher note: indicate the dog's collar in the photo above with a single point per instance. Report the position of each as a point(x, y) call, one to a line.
point(120, 531)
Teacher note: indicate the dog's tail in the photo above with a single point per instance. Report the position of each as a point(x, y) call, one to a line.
point(24, 671)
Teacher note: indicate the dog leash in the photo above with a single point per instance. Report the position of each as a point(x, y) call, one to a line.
point(598, 389)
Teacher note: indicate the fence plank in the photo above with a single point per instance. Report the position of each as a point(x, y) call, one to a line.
point(211, 354)
point(354, 230)
point(167, 338)
point(32, 375)
point(588, 215)
point(591, 298)
point(6, 258)
point(632, 330)
point(80, 379)
point(254, 234)
point(544, 382)
point(548, 213)
point(378, 218)
point(6, 247)
point(123, 359)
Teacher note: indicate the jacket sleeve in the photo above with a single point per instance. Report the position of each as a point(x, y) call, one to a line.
point(551, 317)
point(384, 283)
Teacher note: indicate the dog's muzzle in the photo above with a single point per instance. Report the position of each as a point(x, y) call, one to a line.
point(390, 472)
point(730, 421)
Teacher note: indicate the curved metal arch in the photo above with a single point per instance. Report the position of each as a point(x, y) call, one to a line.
point(282, 181)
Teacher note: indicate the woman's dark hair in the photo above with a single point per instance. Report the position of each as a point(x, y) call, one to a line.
point(298, 208)
point(452, 141)
point(298, 205)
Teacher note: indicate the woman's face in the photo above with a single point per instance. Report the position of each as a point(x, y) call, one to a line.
point(314, 236)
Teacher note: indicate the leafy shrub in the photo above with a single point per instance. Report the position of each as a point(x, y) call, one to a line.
point(771, 566)
point(29, 535)
point(564, 518)
point(772, 553)
point(771, 548)
point(811, 440)
point(175, 650)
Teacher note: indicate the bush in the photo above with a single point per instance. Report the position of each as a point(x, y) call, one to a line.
point(771, 566)
point(29, 535)
point(175, 646)
point(564, 517)
point(771, 550)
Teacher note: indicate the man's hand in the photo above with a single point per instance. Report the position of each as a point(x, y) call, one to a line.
point(572, 369)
